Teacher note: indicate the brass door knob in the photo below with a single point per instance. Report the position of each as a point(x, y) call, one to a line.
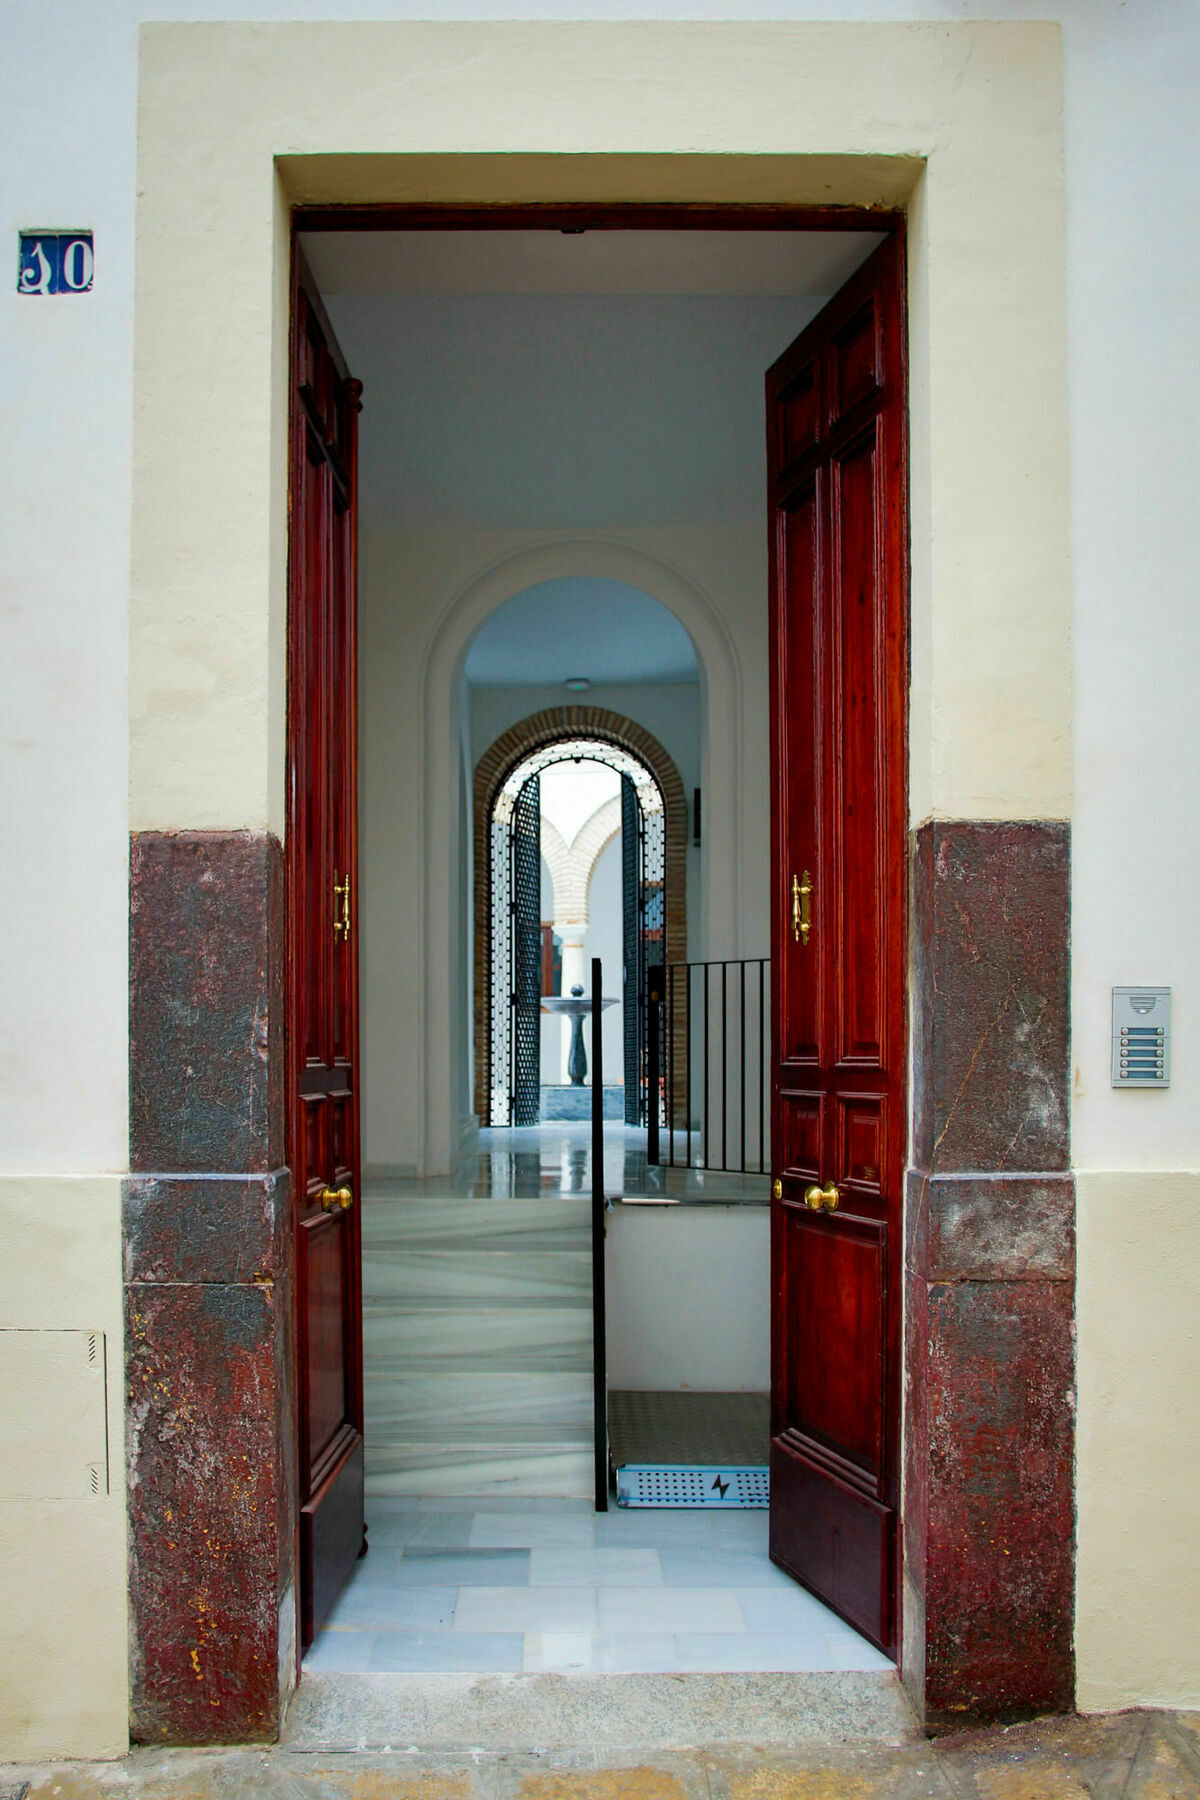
point(334, 1198)
point(822, 1199)
point(777, 1189)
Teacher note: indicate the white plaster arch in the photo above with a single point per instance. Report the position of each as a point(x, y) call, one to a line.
point(571, 866)
point(721, 761)
point(556, 856)
point(590, 843)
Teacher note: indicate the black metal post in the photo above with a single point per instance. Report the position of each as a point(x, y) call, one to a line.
point(705, 1144)
point(670, 1059)
point(724, 1065)
point(599, 1369)
point(653, 1062)
point(687, 1026)
point(742, 1071)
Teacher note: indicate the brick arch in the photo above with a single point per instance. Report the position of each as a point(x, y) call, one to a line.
point(493, 769)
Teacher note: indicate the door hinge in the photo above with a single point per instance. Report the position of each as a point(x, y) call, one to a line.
point(341, 907)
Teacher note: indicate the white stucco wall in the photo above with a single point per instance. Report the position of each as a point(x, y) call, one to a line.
point(1133, 143)
point(68, 128)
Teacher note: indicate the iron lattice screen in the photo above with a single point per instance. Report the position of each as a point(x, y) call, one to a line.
point(526, 840)
point(631, 942)
point(644, 920)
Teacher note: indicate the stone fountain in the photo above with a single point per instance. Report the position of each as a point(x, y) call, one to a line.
point(574, 1006)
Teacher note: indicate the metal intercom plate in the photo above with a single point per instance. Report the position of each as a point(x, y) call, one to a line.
point(1141, 1037)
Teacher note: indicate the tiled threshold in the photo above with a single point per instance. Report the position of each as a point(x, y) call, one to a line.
point(506, 1586)
point(547, 1713)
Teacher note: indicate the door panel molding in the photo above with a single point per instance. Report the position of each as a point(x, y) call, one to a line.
point(839, 628)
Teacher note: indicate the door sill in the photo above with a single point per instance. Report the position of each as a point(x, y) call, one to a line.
point(583, 1710)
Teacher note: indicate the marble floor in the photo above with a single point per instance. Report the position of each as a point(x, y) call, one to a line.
point(477, 1325)
point(537, 1585)
point(555, 1158)
point(477, 1319)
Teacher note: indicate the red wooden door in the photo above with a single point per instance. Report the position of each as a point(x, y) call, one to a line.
point(836, 421)
point(323, 1137)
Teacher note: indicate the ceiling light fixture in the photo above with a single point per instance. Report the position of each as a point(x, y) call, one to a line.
point(577, 684)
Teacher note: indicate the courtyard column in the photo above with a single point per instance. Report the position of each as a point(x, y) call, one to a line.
point(574, 974)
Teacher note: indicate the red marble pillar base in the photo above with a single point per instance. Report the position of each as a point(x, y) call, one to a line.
point(990, 1254)
point(207, 1248)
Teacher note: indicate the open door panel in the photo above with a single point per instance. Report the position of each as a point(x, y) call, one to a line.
point(836, 418)
point(322, 938)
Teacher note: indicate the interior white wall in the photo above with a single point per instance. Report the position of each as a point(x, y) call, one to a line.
point(688, 1298)
point(422, 596)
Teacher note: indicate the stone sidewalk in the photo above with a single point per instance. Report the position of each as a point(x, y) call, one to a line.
point(1117, 1756)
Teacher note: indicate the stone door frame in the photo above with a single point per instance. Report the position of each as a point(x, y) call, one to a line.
point(960, 125)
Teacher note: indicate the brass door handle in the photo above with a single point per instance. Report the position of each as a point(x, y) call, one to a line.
point(822, 1199)
point(341, 908)
point(802, 891)
point(334, 1198)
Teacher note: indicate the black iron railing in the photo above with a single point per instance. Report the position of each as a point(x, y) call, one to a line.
point(707, 1039)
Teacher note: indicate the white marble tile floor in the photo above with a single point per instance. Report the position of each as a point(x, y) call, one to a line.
point(555, 1158)
point(548, 1585)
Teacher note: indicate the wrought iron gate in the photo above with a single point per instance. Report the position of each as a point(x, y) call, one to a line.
point(643, 902)
point(631, 937)
point(525, 887)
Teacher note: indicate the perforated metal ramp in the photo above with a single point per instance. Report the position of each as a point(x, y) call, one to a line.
point(685, 1449)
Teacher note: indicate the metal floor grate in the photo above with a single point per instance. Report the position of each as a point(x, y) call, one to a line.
point(641, 1485)
point(688, 1449)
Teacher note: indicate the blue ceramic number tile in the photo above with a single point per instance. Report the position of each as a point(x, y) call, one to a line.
point(56, 262)
point(40, 268)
